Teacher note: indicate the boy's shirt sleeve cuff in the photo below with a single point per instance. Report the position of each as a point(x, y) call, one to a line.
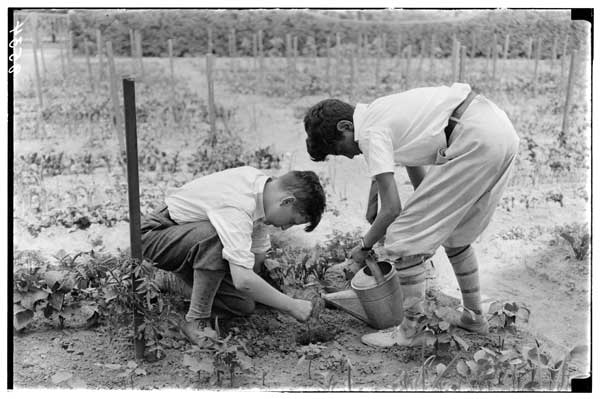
point(379, 153)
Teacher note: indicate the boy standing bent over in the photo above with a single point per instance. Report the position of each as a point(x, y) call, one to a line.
point(469, 145)
point(212, 235)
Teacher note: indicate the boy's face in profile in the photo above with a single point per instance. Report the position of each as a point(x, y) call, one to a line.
point(284, 215)
point(346, 146)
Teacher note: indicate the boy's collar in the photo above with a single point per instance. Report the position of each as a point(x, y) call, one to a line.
point(259, 212)
point(358, 118)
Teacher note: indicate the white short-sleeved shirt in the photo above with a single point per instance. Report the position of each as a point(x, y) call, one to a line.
point(407, 128)
point(232, 200)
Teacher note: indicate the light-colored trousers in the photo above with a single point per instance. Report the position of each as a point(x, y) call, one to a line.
point(457, 198)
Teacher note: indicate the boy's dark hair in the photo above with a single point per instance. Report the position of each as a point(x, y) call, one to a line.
point(320, 123)
point(309, 194)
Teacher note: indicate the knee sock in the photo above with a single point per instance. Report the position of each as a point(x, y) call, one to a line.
point(412, 284)
point(204, 288)
point(466, 270)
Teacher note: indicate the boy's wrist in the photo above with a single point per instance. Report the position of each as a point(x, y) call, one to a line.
point(363, 247)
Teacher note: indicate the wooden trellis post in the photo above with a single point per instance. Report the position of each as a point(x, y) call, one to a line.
point(211, 99)
point(114, 95)
point(38, 79)
point(553, 55)
point(132, 46)
point(420, 64)
point(140, 54)
point(328, 65)
point(210, 40)
point(463, 59)
point(454, 59)
point(563, 56)
point(99, 48)
point(40, 46)
point(506, 47)
point(399, 49)
point(378, 60)
point(288, 51)
point(568, 99)
point(338, 59)
point(261, 61)
point(529, 48)
point(255, 51)
point(432, 55)
point(408, 64)
point(135, 231)
point(62, 59)
point(488, 54)
point(352, 72)
point(172, 69)
point(70, 47)
point(494, 56)
point(86, 46)
point(473, 44)
point(538, 51)
point(295, 46)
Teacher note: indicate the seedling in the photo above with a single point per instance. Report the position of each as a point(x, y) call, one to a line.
point(309, 352)
point(503, 315)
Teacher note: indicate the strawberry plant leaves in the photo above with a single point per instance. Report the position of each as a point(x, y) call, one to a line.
point(22, 319)
point(56, 300)
point(58, 279)
point(271, 264)
point(301, 361)
point(461, 342)
point(440, 368)
point(444, 325)
point(462, 368)
point(479, 355)
point(472, 366)
point(244, 361)
point(29, 299)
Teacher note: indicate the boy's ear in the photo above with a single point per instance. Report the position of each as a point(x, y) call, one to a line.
point(345, 125)
point(287, 201)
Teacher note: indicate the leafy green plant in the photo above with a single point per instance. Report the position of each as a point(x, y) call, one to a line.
point(219, 356)
point(578, 237)
point(89, 287)
point(503, 315)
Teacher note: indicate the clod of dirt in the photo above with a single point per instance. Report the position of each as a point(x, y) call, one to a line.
point(315, 334)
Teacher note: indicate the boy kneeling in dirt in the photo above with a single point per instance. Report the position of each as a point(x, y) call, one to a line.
point(212, 235)
point(469, 143)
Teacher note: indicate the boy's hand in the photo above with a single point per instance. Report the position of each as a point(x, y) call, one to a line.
point(359, 255)
point(351, 268)
point(301, 310)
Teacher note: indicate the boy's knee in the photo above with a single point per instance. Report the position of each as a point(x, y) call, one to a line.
point(453, 251)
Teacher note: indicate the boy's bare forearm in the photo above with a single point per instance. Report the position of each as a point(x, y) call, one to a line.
point(258, 289)
point(390, 208)
point(416, 174)
point(259, 260)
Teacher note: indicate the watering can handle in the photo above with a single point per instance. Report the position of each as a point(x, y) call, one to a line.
point(375, 270)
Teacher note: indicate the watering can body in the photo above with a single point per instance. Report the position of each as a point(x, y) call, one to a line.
point(377, 303)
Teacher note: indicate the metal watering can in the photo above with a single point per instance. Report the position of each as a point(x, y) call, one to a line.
point(375, 297)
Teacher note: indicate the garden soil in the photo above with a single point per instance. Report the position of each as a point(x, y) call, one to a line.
point(521, 267)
